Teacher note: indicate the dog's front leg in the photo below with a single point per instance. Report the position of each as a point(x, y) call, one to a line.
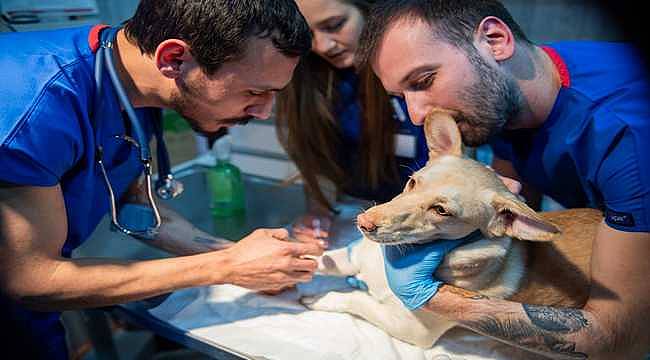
point(391, 317)
point(337, 263)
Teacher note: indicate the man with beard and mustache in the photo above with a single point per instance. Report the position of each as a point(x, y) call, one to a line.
point(571, 119)
point(216, 62)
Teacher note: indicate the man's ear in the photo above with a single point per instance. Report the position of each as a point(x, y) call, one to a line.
point(443, 136)
point(513, 218)
point(170, 55)
point(497, 36)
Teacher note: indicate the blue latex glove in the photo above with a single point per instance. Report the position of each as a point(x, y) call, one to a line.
point(410, 269)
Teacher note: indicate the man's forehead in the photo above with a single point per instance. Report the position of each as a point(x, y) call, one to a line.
point(406, 45)
point(263, 65)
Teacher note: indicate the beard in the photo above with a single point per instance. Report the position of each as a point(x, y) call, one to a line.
point(185, 104)
point(494, 100)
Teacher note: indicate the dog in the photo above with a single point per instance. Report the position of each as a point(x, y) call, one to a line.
point(523, 256)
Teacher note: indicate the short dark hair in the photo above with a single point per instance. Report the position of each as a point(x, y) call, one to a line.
point(453, 20)
point(217, 30)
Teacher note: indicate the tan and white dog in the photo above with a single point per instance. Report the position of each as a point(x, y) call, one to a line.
point(450, 198)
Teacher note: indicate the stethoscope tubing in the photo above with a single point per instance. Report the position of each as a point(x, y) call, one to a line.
point(104, 56)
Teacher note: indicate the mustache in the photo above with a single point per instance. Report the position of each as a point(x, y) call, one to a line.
point(237, 121)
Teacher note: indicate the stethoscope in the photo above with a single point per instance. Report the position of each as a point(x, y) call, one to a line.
point(144, 221)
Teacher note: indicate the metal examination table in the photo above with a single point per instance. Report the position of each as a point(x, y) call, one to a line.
point(268, 204)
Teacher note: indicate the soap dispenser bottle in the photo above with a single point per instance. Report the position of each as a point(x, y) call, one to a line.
point(225, 182)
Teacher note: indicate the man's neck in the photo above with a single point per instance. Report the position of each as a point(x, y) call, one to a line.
point(539, 81)
point(138, 74)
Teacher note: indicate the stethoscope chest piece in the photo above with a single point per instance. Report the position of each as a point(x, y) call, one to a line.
point(169, 188)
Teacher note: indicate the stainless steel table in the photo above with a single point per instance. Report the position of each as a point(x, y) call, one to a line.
point(268, 204)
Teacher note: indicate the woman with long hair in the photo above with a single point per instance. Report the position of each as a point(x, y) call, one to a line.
point(339, 126)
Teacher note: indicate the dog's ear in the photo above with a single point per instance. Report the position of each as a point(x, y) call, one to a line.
point(443, 136)
point(515, 219)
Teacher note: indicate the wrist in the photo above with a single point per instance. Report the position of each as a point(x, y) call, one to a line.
point(455, 303)
point(215, 267)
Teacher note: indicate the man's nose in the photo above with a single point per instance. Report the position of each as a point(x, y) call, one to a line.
point(263, 108)
point(416, 108)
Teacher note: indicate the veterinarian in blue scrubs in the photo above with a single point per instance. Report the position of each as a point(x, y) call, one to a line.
point(336, 121)
point(571, 120)
point(55, 125)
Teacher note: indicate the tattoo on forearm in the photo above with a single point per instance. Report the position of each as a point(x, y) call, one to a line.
point(545, 332)
point(556, 319)
point(205, 240)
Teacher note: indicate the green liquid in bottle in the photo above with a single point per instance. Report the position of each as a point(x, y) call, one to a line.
point(225, 183)
point(227, 190)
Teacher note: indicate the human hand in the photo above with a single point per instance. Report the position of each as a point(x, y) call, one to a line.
point(266, 260)
point(311, 226)
point(513, 185)
point(410, 270)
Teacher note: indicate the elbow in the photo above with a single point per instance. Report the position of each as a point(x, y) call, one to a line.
point(20, 294)
point(25, 292)
point(616, 339)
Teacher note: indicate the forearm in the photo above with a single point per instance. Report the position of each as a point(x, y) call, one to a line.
point(178, 236)
point(558, 333)
point(63, 284)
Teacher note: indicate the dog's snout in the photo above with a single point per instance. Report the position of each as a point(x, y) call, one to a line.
point(366, 223)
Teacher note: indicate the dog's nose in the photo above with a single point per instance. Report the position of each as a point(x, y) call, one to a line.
point(365, 223)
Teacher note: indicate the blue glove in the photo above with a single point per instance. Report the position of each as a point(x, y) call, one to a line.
point(409, 270)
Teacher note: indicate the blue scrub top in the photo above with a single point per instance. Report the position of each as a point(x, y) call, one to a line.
point(592, 151)
point(348, 112)
point(47, 137)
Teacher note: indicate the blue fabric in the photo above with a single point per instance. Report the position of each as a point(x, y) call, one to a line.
point(592, 151)
point(348, 112)
point(47, 138)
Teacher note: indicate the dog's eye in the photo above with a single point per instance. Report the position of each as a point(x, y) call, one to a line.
point(440, 210)
point(409, 185)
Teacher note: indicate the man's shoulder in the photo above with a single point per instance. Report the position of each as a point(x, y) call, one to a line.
point(601, 70)
point(48, 69)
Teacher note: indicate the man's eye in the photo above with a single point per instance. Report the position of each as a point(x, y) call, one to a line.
point(424, 83)
point(255, 93)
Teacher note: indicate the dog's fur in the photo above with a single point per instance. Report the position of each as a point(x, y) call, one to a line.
point(448, 199)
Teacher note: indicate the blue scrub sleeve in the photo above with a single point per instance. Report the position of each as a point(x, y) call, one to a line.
point(501, 149)
point(44, 143)
point(620, 181)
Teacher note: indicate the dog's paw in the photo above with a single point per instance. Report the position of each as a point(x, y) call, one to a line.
point(332, 301)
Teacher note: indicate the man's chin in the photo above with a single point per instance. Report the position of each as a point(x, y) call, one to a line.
point(221, 124)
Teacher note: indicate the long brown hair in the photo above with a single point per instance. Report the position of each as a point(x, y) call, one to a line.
point(308, 128)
